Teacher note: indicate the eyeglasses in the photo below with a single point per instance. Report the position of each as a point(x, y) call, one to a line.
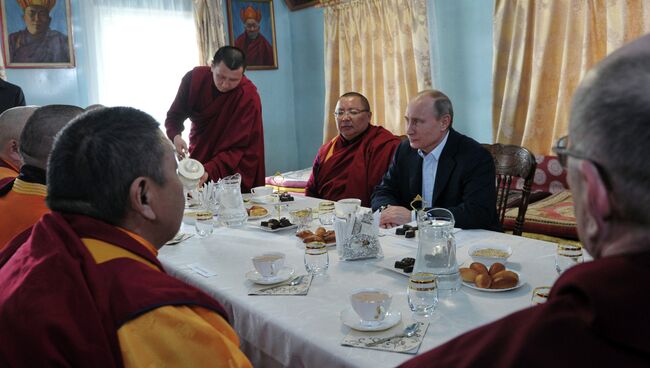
point(351, 113)
point(563, 152)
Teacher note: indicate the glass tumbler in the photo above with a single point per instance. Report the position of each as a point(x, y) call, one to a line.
point(302, 218)
point(326, 212)
point(567, 256)
point(204, 223)
point(316, 258)
point(540, 295)
point(423, 293)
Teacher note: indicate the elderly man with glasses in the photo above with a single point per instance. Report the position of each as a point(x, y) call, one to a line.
point(353, 163)
point(596, 313)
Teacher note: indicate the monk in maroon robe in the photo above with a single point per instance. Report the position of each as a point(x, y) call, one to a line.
point(83, 287)
point(226, 114)
point(353, 163)
point(12, 123)
point(596, 314)
point(257, 49)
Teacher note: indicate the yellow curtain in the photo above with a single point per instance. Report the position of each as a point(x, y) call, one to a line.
point(379, 48)
point(210, 34)
point(542, 49)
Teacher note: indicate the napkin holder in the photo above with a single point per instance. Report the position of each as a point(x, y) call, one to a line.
point(356, 237)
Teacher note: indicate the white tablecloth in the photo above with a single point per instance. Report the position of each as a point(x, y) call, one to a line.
point(306, 331)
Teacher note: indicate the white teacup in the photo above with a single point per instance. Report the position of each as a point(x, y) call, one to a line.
point(269, 264)
point(371, 305)
point(345, 207)
point(261, 191)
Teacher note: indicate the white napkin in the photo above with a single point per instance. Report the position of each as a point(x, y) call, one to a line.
point(406, 345)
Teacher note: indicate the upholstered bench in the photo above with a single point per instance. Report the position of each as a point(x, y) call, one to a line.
point(550, 211)
point(292, 181)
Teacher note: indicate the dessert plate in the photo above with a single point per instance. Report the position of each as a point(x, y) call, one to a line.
point(258, 226)
point(351, 319)
point(519, 284)
point(389, 264)
point(269, 199)
point(283, 275)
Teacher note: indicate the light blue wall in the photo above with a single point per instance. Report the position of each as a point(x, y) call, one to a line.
point(308, 42)
point(464, 39)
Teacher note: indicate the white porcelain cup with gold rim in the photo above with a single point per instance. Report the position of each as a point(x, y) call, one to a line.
point(371, 304)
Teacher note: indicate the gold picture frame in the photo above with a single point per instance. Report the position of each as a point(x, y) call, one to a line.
point(37, 36)
point(251, 27)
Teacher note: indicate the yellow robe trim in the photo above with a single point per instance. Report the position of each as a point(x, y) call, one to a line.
point(6, 172)
point(171, 336)
point(331, 150)
point(23, 187)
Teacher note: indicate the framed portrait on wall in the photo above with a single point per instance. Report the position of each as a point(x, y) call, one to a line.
point(251, 26)
point(300, 4)
point(37, 33)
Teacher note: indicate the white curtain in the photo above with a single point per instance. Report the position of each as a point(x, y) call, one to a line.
point(138, 51)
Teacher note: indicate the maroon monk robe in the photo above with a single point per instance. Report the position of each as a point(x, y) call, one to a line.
point(257, 51)
point(226, 133)
point(60, 308)
point(596, 316)
point(354, 168)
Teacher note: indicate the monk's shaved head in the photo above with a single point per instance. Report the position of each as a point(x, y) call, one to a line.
point(12, 122)
point(38, 135)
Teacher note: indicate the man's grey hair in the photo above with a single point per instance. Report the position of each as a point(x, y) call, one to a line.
point(40, 129)
point(441, 103)
point(610, 124)
point(97, 157)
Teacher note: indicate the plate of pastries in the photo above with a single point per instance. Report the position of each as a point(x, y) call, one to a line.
point(319, 235)
point(494, 279)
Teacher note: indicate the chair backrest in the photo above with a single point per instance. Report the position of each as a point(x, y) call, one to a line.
point(512, 161)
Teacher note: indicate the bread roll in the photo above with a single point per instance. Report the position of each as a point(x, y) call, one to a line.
point(468, 274)
point(313, 238)
point(504, 282)
point(496, 267)
point(483, 280)
point(506, 273)
point(321, 231)
point(304, 234)
point(479, 267)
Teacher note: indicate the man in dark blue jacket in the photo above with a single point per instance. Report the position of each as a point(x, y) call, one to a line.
point(444, 167)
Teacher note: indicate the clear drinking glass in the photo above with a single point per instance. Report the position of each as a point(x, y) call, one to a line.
point(567, 256)
point(423, 293)
point(302, 218)
point(204, 223)
point(326, 212)
point(317, 259)
point(540, 295)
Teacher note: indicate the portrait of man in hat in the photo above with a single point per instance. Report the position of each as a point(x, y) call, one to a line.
point(256, 19)
point(37, 41)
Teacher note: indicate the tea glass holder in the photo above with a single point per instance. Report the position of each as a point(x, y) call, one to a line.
point(567, 256)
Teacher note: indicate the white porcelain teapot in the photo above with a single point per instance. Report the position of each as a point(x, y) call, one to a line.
point(190, 172)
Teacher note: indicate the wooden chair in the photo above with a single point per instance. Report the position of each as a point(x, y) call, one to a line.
point(512, 161)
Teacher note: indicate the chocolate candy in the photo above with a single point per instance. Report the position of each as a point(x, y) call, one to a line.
point(410, 234)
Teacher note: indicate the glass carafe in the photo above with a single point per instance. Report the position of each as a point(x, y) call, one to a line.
point(231, 204)
point(437, 249)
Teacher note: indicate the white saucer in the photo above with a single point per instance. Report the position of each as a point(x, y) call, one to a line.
point(285, 273)
point(351, 319)
point(265, 199)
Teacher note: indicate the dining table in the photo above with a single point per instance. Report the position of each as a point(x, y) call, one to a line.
point(307, 330)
